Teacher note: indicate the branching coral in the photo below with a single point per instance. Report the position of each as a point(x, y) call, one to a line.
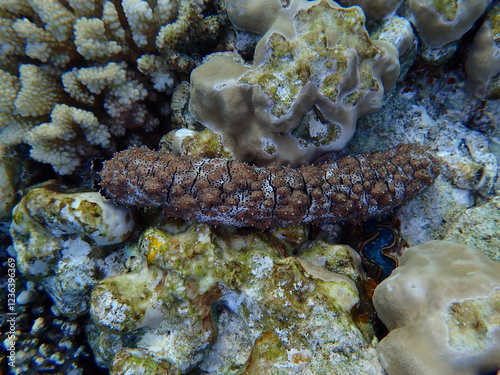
point(51, 142)
point(93, 56)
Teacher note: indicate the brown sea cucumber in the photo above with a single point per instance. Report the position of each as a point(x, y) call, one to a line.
point(227, 192)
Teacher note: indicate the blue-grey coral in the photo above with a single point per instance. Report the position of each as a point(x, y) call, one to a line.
point(223, 191)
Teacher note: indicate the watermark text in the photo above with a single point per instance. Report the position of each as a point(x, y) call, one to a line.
point(10, 343)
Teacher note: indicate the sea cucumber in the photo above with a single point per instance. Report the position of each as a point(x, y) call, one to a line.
point(228, 192)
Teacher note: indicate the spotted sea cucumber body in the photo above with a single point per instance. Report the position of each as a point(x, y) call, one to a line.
point(228, 192)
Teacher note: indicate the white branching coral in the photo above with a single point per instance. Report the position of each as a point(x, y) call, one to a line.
point(9, 86)
point(90, 37)
point(70, 133)
point(155, 67)
point(139, 15)
point(42, 45)
point(57, 18)
point(82, 54)
point(39, 92)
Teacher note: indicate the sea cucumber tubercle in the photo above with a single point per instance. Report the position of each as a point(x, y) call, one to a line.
point(227, 192)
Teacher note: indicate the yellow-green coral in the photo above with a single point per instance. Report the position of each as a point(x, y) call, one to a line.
point(60, 240)
point(194, 278)
point(319, 53)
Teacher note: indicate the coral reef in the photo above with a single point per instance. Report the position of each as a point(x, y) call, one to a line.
point(441, 307)
point(229, 303)
point(222, 191)
point(314, 73)
point(286, 82)
point(61, 239)
point(108, 63)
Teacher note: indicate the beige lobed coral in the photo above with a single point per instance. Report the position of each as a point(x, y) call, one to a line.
point(315, 71)
point(441, 306)
point(102, 58)
point(444, 21)
point(374, 8)
point(483, 61)
point(253, 15)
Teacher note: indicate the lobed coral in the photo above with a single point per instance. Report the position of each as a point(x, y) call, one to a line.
point(374, 8)
point(441, 307)
point(253, 15)
point(315, 71)
point(222, 191)
point(445, 21)
point(483, 61)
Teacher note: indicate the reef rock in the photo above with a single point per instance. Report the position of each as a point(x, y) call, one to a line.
point(479, 226)
point(220, 302)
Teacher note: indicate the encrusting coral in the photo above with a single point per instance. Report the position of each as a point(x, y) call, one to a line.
point(441, 306)
point(222, 191)
point(60, 240)
point(315, 72)
point(230, 303)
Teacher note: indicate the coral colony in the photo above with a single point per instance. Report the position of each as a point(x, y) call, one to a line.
point(238, 146)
